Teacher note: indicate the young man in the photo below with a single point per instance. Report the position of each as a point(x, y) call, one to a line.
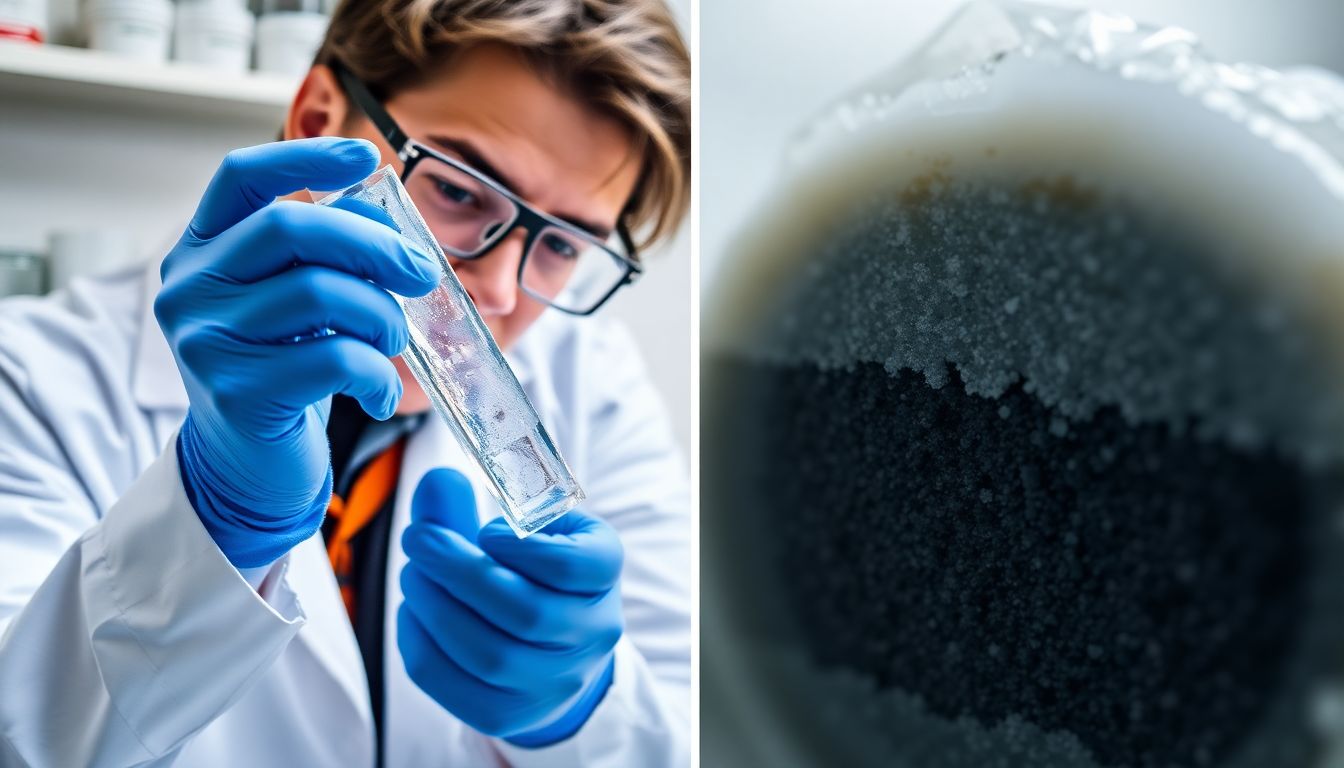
point(169, 455)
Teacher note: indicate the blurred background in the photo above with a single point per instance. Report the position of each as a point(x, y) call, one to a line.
point(117, 112)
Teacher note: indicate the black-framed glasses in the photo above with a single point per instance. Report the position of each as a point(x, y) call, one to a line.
point(470, 213)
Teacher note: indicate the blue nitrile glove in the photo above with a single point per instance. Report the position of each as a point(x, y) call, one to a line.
point(270, 307)
point(513, 636)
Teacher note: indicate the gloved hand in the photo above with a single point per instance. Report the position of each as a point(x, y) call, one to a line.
point(250, 276)
point(513, 636)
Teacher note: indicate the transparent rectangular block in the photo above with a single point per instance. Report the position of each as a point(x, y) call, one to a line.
point(456, 361)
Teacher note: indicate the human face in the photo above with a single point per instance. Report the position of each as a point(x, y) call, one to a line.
point(490, 109)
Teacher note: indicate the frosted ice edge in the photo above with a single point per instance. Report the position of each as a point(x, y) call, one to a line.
point(1299, 114)
point(455, 359)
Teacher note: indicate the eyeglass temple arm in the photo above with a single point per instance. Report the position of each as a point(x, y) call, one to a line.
point(628, 242)
point(371, 107)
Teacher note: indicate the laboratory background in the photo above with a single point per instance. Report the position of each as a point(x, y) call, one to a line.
point(117, 112)
point(806, 633)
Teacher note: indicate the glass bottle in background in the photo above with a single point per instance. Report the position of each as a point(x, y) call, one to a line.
point(22, 273)
point(86, 251)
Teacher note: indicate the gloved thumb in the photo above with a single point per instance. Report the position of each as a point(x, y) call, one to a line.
point(445, 498)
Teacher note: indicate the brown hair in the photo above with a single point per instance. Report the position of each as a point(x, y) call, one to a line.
point(624, 56)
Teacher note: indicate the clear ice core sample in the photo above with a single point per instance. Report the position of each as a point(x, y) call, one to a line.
point(456, 361)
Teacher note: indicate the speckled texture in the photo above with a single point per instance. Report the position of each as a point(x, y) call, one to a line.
point(1137, 590)
point(1085, 298)
point(1027, 466)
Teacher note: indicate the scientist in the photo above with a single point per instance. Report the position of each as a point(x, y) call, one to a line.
point(230, 532)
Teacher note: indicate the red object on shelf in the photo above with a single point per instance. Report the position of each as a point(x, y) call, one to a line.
point(23, 32)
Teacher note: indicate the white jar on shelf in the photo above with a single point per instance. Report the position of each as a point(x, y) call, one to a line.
point(216, 34)
point(289, 33)
point(85, 251)
point(137, 29)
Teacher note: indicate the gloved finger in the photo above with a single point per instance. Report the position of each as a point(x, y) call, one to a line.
point(488, 709)
point(248, 179)
point(307, 300)
point(297, 375)
point(478, 646)
point(286, 232)
point(445, 498)
point(498, 594)
point(578, 553)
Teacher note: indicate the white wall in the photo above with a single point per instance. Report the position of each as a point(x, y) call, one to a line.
point(64, 164)
point(658, 310)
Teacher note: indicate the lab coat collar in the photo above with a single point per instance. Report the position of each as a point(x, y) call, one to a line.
point(157, 385)
point(414, 724)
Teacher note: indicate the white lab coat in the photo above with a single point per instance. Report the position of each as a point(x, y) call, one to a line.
point(128, 638)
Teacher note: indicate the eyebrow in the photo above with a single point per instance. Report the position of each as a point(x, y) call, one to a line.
point(473, 157)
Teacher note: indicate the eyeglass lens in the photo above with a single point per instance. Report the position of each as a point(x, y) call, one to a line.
point(467, 216)
point(570, 271)
point(464, 214)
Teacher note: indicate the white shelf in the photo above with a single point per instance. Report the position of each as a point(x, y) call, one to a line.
point(77, 78)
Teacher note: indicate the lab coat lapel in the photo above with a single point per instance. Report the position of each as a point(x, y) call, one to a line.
point(418, 730)
point(328, 634)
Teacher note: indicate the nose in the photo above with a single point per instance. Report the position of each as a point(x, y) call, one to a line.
point(492, 279)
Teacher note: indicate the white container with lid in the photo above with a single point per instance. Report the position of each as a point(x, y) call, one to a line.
point(137, 29)
point(287, 41)
point(216, 34)
point(85, 251)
